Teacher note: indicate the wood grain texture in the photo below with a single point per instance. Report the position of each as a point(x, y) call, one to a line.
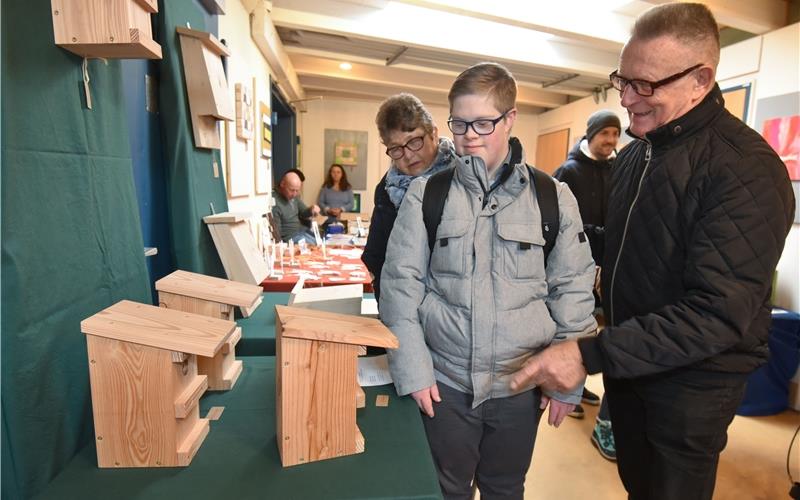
point(214, 413)
point(331, 327)
point(361, 398)
point(105, 28)
point(209, 288)
point(238, 252)
point(317, 400)
point(161, 328)
point(227, 218)
point(190, 396)
point(382, 400)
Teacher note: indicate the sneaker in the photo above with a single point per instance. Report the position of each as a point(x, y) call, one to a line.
point(590, 398)
point(603, 440)
point(577, 412)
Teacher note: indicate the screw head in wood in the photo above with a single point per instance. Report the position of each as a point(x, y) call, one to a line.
point(286, 438)
point(99, 438)
point(92, 361)
point(74, 39)
point(111, 39)
point(158, 463)
point(55, 13)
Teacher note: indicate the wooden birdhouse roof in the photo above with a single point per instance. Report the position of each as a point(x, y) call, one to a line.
point(310, 324)
point(210, 288)
point(226, 218)
point(160, 328)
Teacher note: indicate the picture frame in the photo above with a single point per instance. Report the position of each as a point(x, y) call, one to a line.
point(265, 146)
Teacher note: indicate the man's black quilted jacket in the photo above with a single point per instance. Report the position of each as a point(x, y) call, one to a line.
point(687, 280)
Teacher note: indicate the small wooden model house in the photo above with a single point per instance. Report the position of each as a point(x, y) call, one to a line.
point(206, 85)
point(240, 256)
point(317, 387)
point(216, 298)
point(145, 386)
point(112, 29)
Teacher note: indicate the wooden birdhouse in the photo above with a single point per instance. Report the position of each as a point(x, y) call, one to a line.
point(237, 248)
point(145, 385)
point(112, 29)
point(206, 85)
point(216, 298)
point(342, 299)
point(317, 387)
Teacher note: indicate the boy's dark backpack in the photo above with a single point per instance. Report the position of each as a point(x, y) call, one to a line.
point(438, 187)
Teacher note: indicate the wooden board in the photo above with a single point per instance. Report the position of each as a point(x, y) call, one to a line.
point(208, 40)
point(159, 327)
point(342, 299)
point(382, 400)
point(213, 289)
point(316, 408)
point(325, 326)
point(238, 252)
point(227, 217)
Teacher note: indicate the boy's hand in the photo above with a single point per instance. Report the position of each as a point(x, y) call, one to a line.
point(425, 398)
point(558, 410)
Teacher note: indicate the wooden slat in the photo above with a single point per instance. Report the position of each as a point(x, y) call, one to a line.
point(342, 299)
point(361, 398)
point(232, 375)
point(214, 413)
point(325, 326)
point(190, 445)
point(159, 327)
point(382, 400)
point(359, 441)
point(208, 40)
point(227, 218)
point(210, 288)
point(230, 345)
point(190, 396)
point(150, 6)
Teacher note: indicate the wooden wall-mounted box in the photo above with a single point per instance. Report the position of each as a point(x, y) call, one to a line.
point(112, 29)
point(206, 85)
point(237, 248)
point(317, 381)
point(216, 298)
point(145, 386)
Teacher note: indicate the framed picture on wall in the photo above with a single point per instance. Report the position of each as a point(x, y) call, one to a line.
point(266, 130)
point(346, 153)
point(356, 203)
point(737, 100)
point(783, 134)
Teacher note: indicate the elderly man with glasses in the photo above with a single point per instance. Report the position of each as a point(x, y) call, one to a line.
point(698, 213)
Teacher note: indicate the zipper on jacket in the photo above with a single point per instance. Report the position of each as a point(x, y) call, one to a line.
point(647, 156)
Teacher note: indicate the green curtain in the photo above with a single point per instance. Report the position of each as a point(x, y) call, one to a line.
point(191, 184)
point(71, 240)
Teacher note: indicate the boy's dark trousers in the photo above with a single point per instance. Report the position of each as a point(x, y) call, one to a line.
point(669, 430)
point(492, 443)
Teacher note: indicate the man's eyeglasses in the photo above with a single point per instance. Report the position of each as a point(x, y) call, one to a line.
point(413, 144)
point(481, 127)
point(643, 87)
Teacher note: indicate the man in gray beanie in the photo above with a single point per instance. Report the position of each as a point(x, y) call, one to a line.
point(587, 172)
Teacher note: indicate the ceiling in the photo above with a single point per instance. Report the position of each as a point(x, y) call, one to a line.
point(557, 53)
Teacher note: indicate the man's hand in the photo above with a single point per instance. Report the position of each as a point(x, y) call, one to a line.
point(558, 410)
point(559, 368)
point(425, 398)
point(315, 210)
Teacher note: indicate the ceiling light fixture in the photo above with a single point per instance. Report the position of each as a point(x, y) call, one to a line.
point(345, 66)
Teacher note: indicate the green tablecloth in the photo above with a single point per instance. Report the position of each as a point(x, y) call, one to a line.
point(239, 458)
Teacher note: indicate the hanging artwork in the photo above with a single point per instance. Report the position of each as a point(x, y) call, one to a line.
point(266, 130)
point(345, 153)
point(349, 149)
point(244, 111)
point(737, 101)
point(783, 134)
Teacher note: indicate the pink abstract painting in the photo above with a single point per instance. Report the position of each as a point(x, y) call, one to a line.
point(783, 134)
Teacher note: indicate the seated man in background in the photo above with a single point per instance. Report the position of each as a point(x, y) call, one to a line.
point(289, 209)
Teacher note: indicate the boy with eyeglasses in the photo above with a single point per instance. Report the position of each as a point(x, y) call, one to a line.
point(472, 310)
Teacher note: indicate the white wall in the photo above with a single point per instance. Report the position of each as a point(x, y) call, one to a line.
point(360, 115)
point(245, 64)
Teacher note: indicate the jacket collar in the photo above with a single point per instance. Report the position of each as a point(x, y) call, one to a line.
point(692, 122)
point(471, 172)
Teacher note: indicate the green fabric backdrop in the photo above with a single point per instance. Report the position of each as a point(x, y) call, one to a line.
point(71, 240)
point(191, 184)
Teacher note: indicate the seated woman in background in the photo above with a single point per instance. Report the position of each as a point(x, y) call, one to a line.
point(412, 142)
point(336, 195)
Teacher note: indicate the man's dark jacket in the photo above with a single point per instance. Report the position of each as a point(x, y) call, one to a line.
point(380, 228)
point(697, 218)
point(589, 180)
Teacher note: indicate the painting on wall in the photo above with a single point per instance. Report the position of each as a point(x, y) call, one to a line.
point(737, 101)
point(244, 111)
point(262, 174)
point(783, 134)
point(266, 130)
point(349, 149)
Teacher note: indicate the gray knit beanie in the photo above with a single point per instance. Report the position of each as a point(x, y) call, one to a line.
point(600, 120)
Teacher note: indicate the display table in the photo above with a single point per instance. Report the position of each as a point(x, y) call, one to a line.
point(351, 270)
point(239, 458)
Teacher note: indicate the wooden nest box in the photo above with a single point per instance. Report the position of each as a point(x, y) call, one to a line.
point(317, 386)
point(145, 385)
point(112, 29)
point(216, 298)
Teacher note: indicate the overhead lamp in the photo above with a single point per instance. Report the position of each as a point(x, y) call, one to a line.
point(345, 66)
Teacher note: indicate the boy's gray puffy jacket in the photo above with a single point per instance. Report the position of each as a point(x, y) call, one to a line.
point(481, 308)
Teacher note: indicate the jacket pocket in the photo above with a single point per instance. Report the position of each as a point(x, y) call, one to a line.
point(449, 251)
point(522, 249)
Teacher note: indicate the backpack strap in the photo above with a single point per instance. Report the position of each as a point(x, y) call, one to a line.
point(433, 200)
point(547, 198)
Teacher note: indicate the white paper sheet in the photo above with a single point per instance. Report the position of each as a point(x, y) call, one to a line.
point(373, 370)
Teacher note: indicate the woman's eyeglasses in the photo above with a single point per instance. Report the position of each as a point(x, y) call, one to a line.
point(413, 144)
